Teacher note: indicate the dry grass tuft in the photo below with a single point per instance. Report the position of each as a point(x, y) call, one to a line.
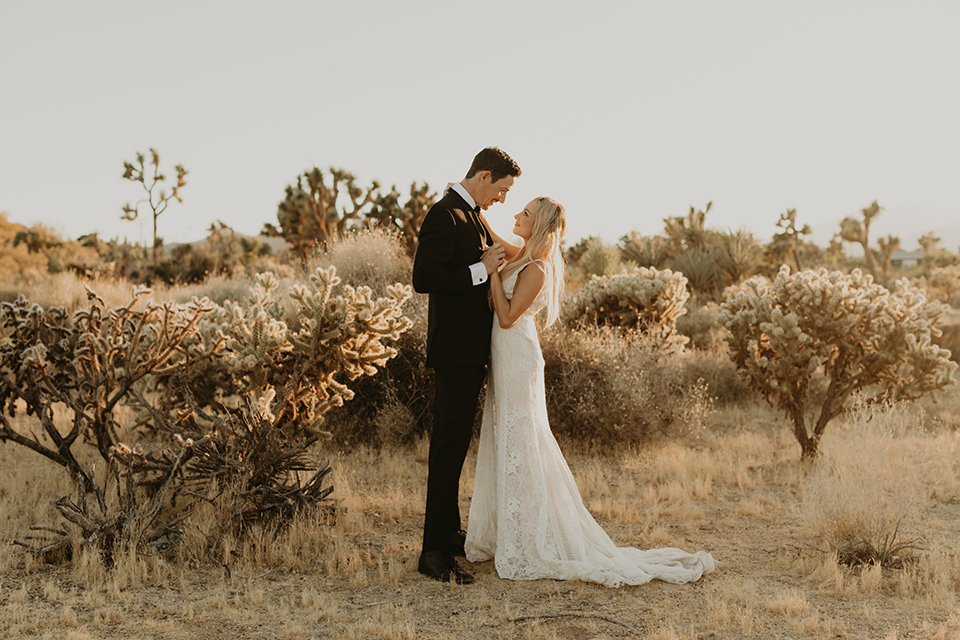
point(374, 257)
point(789, 603)
point(671, 633)
point(890, 551)
point(870, 485)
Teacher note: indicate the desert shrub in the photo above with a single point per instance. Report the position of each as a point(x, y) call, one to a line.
point(685, 233)
point(64, 289)
point(717, 374)
point(738, 255)
point(19, 267)
point(219, 289)
point(608, 388)
point(374, 257)
point(395, 405)
point(69, 289)
point(28, 255)
point(644, 251)
point(573, 253)
point(190, 359)
point(700, 325)
point(87, 361)
point(296, 375)
point(599, 259)
point(943, 284)
point(700, 267)
point(645, 300)
point(224, 252)
point(829, 334)
point(872, 484)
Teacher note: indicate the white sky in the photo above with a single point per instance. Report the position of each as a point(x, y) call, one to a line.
point(627, 112)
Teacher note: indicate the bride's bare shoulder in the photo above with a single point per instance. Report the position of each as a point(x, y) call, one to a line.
point(531, 278)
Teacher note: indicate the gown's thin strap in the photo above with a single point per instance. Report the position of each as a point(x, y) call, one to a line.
point(543, 262)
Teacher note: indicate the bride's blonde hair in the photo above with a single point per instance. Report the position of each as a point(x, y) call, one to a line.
point(549, 225)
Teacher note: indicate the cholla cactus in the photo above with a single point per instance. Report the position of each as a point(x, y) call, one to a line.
point(286, 379)
point(88, 362)
point(296, 375)
point(644, 299)
point(820, 334)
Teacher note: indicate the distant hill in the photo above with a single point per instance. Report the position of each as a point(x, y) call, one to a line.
point(277, 245)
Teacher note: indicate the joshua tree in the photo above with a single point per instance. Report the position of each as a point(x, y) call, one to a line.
point(888, 246)
point(158, 202)
point(407, 217)
point(313, 212)
point(688, 233)
point(929, 242)
point(789, 241)
point(851, 230)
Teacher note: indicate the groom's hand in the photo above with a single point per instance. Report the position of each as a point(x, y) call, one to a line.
point(493, 257)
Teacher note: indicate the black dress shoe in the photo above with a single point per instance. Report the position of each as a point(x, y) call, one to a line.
point(457, 540)
point(441, 566)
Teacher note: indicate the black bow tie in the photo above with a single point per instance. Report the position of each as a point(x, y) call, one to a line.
point(476, 209)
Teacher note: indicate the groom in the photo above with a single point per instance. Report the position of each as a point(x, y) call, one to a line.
point(455, 256)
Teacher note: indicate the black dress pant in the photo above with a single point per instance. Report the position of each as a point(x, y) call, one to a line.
point(457, 391)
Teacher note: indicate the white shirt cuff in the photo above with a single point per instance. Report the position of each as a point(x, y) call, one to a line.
point(478, 273)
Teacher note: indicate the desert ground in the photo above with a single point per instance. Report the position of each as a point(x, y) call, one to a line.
point(736, 488)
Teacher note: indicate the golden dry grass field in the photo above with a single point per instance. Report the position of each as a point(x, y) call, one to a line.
point(736, 488)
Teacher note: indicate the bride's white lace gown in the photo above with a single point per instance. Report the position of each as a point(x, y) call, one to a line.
point(526, 511)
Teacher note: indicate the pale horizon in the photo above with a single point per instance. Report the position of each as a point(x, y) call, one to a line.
point(627, 113)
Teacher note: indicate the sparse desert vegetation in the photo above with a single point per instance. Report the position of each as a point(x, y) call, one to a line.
point(739, 490)
point(670, 445)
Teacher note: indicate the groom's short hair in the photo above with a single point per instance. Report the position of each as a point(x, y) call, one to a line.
point(496, 161)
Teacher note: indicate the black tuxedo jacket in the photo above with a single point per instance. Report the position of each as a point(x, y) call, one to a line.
point(460, 320)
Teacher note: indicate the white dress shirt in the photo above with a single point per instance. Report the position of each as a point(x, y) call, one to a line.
point(478, 272)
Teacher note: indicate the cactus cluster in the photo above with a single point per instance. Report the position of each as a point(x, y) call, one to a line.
point(232, 394)
point(296, 364)
point(816, 337)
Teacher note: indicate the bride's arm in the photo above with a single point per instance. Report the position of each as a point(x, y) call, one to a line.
point(529, 283)
point(509, 249)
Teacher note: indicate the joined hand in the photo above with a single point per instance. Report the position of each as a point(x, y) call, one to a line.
point(493, 257)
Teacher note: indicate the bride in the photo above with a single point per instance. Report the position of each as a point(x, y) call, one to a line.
point(526, 512)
